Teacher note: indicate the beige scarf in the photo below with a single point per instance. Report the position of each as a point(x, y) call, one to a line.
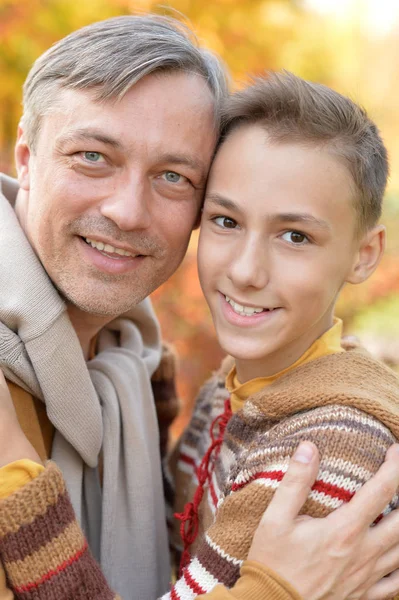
point(106, 404)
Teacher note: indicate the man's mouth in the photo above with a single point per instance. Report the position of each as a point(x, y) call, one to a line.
point(108, 250)
point(246, 311)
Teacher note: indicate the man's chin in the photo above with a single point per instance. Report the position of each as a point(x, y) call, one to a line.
point(100, 306)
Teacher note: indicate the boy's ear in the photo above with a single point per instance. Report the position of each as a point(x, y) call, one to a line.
point(370, 252)
point(22, 156)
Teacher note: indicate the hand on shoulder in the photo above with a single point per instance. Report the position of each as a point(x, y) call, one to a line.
point(341, 555)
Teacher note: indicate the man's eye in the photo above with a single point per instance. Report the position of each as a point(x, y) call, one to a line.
point(225, 222)
point(93, 157)
point(173, 177)
point(295, 237)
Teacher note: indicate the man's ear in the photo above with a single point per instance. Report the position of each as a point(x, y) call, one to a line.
point(370, 252)
point(22, 157)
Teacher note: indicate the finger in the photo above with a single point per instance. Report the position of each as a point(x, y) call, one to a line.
point(385, 535)
point(388, 562)
point(388, 587)
point(295, 485)
point(369, 502)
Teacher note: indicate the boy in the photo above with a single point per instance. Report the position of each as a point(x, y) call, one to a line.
point(290, 216)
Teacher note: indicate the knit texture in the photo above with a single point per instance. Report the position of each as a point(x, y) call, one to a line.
point(43, 548)
point(346, 403)
point(46, 557)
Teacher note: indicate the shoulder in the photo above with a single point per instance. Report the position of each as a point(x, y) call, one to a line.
point(351, 443)
point(350, 379)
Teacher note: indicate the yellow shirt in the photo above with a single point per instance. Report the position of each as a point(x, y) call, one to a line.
point(328, 343)
point(17, 474)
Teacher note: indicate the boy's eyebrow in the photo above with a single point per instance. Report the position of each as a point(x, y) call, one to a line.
point(306, 218)
point(223, 202)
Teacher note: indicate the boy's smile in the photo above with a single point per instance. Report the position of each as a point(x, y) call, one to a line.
point(245, 315)
point(277, 243)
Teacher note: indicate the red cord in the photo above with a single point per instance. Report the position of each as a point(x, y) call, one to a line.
point(189, 516)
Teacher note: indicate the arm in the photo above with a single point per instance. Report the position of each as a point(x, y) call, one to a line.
point(42, 547)
point(344, 437)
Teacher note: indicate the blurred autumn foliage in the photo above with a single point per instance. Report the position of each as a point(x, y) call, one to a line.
point(350, 45)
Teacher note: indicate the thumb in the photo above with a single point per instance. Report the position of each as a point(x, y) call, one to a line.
point(295, 486)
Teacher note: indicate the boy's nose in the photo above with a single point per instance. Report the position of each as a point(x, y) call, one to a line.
point(129, 206)
point(250, 266)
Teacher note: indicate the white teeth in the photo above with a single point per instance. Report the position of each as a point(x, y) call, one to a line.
point(108, 248)
point(246, 311)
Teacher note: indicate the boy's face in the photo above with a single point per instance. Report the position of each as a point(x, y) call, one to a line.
point(277, 243)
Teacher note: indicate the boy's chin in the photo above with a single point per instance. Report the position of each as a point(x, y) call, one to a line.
point(243, 350)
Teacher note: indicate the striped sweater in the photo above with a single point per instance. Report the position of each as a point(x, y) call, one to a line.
point(346, 403)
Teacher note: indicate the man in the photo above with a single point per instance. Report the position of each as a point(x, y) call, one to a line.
point(119, 127)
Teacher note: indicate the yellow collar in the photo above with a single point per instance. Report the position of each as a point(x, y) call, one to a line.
point(328, 343)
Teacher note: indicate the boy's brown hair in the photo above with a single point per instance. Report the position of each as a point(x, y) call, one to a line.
point(294, 110)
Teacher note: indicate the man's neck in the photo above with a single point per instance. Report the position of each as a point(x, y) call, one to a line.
point(86, 326)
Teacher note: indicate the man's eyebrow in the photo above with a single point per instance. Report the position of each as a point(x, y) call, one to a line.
point(89, 134)
point(181, 159)
point(305, 218)
point(223, 202)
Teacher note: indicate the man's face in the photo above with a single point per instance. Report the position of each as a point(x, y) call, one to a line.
point(112, 190)
point(276, 245)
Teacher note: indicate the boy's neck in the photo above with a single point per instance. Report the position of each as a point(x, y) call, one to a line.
point(281, 359)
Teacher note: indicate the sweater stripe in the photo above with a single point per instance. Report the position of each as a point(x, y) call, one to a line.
point(328, 489)
point(187, 459)
point(44, 528)
point(59, 551)
point(67, 563)
point(54, 557)
point(192, 583)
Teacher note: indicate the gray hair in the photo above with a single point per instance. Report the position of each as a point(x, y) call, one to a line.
point(110, 56)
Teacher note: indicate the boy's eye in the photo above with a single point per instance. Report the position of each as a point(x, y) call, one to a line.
point(225, 222)
point(295, 237)
point(93, 157)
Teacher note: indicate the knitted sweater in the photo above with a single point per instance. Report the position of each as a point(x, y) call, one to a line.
point(46, 556)
point(346, 403)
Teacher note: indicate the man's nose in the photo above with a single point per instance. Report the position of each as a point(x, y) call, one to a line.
point(250, 267)
point(129, 206)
